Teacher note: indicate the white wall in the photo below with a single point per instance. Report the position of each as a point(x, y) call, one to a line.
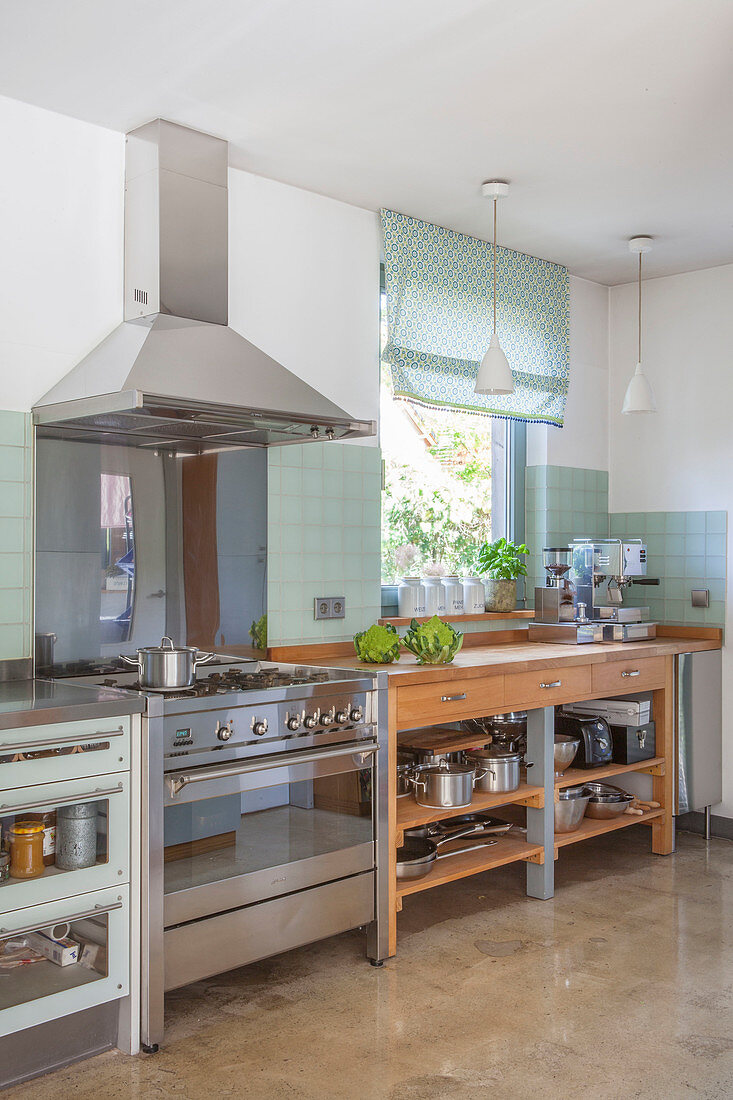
point(61, 209)
point(583, 439)
point(304, 286)
point(680, 459)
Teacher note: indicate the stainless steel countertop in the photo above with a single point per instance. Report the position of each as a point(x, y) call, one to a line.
point(41, 702)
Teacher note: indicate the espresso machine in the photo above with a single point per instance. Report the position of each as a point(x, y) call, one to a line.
point(582, 600)
point(602, 569)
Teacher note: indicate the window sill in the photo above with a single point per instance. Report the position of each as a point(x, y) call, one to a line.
point(488, 615)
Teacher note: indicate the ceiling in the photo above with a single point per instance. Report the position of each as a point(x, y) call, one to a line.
point(610, 117)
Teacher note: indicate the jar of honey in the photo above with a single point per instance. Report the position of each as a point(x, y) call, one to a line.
point(26, 849)
point(48, 820)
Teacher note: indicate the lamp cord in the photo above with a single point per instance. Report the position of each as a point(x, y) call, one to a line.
point(494, 256)
point(639, 308)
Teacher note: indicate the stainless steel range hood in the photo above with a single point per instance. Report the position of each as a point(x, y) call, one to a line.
point(174, 374)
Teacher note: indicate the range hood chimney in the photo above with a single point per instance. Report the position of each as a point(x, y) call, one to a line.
point(173, 374)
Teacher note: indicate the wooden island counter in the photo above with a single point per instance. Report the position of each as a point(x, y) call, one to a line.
point(490, 677)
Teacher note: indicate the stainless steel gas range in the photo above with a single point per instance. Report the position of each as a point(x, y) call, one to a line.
point(265, 821)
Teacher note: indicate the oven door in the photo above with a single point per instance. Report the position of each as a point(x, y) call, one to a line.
point(249, 830)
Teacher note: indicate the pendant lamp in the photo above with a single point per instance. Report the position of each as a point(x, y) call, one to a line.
point(494, 373)
point(639, 396)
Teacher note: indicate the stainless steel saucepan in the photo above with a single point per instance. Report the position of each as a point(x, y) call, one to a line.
point(167, 667)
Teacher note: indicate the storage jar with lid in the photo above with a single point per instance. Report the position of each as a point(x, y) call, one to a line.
point(76, 836)
point(434, 596)
point(411, 598)
point(26, 849)
point(48, 820)
point(474, 596)
point(453, 596)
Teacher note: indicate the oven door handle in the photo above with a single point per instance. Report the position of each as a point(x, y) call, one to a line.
point(357, 749)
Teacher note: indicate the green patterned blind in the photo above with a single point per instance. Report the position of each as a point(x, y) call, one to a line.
point(439, 320)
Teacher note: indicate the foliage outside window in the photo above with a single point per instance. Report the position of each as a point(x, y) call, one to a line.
point(436, 504)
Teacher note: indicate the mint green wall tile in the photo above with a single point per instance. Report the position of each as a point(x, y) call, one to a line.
point(11, 605)
point(715, 544)
point(675, 522)
point(716, 522)
point(675, 566)
point(12, 535)
point(12, 574)
point(14, 429)
point(12, 498)
point(694, 522)
point(714, 567)
point(12, 463)
point(14, 641)
point(675, 544)
point(695, 566)
point(655, 522)
point(694, 544)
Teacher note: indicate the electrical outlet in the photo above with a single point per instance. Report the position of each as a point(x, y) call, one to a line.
point(329, 607)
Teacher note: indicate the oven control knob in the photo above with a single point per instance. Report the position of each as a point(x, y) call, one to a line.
point(342, 716)
point(223, 732)
point(293, 723)
point(259, 729)
point(357, 714)
point(326, 719)
point(309, 721)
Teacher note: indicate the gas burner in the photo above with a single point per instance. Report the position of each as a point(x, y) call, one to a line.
point(238, 680)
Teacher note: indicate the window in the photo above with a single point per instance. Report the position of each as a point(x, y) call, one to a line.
point(448, 484)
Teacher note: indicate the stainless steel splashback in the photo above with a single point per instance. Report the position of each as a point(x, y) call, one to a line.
point(134, 544)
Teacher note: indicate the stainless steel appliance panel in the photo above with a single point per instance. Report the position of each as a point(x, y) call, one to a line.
point(699, 730)
point(199, 950)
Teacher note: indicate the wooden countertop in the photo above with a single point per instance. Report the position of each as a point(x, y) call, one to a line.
point(487, 660)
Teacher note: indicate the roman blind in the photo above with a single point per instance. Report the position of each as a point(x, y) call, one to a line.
point(439, 320)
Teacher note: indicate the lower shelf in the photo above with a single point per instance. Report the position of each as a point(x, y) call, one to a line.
point(506, 850)
point(590, 826)
point(42, 979)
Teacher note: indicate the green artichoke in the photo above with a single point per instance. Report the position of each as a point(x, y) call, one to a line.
point(379, 645)
point(433, 642)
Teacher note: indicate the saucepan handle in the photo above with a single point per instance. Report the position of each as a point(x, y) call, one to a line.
point(130, 660)
point(204, 658)
point(480, 775)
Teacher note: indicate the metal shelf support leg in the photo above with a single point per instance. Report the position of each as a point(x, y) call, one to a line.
point(541, 823)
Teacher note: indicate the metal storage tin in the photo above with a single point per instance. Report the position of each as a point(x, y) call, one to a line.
point(76, 836)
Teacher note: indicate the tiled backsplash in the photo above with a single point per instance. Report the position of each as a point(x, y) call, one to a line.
point(686, 550)
point(323, 533)
point(16, 535)
point(562, 503)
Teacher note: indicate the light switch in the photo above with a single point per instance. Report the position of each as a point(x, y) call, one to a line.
point(700, 597)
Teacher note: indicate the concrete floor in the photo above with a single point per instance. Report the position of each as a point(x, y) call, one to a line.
point(622, 986)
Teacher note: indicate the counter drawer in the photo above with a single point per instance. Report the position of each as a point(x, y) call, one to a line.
point(42, 991)
point(448, 700)
point(111, 796)
point(66, 750)
point(525, 690)
point(623, 677)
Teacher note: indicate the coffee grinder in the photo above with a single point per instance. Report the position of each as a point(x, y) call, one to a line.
point(559, 616)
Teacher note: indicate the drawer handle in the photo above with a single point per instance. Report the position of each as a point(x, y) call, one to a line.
point(633, 672)
point(97, 911)
point(63, 800)
point(553, 684)
point(77, 739)
point(452, 698)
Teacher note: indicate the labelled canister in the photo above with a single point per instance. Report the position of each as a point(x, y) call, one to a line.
point(76, 836)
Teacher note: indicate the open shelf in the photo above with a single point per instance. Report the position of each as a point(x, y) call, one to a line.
point(506, 850)
point(590, 826)
point(573, 777)
point(409, 813)
point(398, 621)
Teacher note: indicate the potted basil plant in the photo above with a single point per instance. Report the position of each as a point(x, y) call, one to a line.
point(501, 562)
